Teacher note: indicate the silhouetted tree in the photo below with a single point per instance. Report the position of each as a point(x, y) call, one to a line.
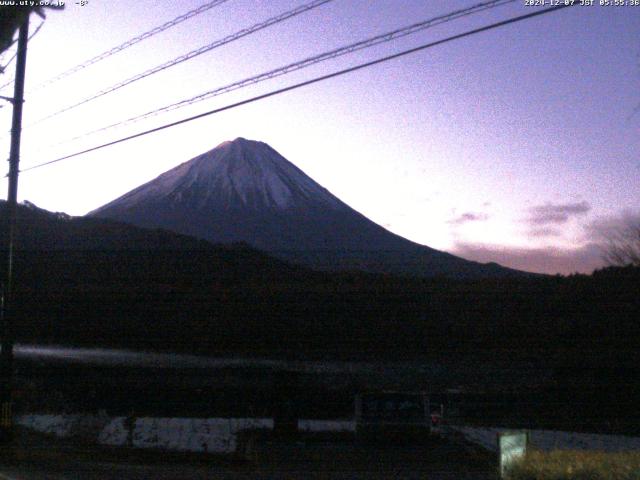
point(623, 245)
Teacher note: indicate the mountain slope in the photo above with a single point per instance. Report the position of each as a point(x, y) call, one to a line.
point(43, 235)
point(246, 191)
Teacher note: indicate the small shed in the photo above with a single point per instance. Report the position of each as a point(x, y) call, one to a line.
point(392, 415)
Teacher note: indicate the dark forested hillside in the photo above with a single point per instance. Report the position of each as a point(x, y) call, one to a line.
point(96, 282)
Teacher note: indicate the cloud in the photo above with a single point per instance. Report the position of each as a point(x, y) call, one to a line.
point(552, 260)
point(599, 235)
point(607, 227)
point(469, 217)
point(556, 214)
point(544, 232)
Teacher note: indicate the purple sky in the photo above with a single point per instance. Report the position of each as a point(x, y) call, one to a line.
point(518, 145)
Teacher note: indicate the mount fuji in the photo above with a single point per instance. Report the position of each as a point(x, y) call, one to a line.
point(245, 191)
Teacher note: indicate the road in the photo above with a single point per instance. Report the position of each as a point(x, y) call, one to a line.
point(106, 471)
point(439, 460)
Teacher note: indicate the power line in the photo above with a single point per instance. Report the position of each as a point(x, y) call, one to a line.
point(192, 54)
point(308, 82)
point(133, 41)
point(307, 62)
point(13, 42)
point(3, 55)
point(4, 67)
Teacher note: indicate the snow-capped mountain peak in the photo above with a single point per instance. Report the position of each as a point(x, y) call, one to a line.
point(238, 172)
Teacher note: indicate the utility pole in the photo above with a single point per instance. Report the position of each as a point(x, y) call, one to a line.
point(6, 310)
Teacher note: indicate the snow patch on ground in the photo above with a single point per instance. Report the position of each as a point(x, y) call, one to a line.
point(183, 434)
point(554, 440)
point(215, 435)
point(58, 425)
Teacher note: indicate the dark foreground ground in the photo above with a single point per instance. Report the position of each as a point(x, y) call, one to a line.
point(338, 457)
